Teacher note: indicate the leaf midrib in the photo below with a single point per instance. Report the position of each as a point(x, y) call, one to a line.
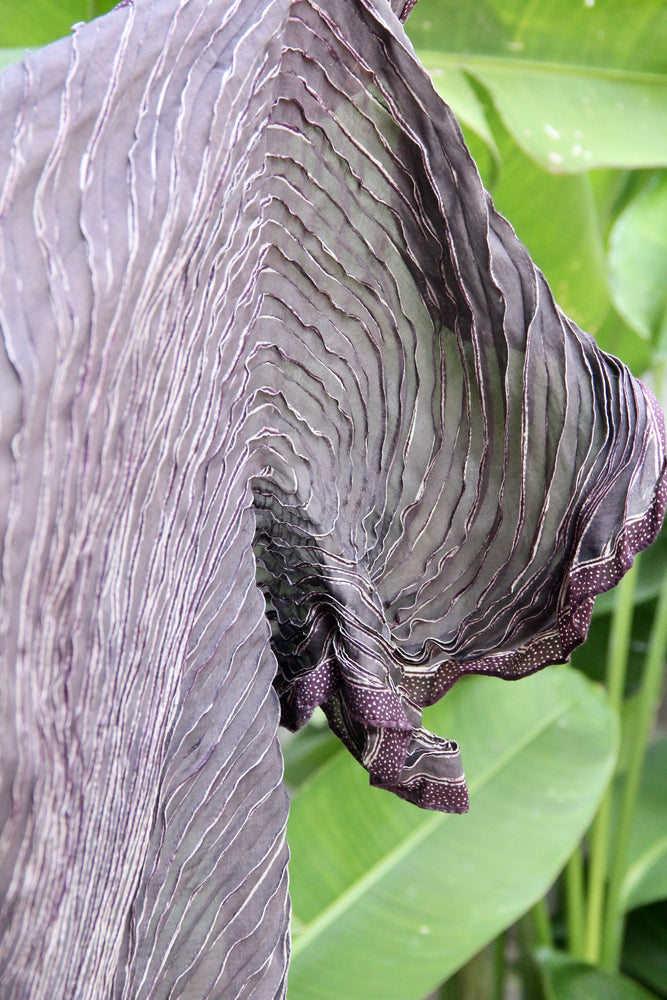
point(358, 888)
point(463, 60)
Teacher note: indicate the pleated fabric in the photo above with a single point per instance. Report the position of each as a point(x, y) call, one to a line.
point(288, 418)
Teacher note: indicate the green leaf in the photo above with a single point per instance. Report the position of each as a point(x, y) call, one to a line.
point(37, 22)
point(567, 978)
point(591, 658)
point(579, 83)
point(555, 216)
point(646, 877)
point(306, 751)
point(644, 952)
point(372, 876)
point(638, 263)
point(572, 120)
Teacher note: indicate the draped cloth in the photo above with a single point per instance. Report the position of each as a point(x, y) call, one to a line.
point(288, 418)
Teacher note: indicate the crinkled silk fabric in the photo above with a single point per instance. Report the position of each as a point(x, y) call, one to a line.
point(284, 407)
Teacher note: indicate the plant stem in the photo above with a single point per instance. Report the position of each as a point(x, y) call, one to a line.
point(474, 980)
point(647, 707)
point(617, 661)
point(499, 967)
point(542, 929)
point(574, 903)
point(531, 983)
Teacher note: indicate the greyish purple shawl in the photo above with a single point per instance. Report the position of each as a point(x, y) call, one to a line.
point(288, 418)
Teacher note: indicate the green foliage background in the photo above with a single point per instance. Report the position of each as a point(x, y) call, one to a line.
point(564, 106)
